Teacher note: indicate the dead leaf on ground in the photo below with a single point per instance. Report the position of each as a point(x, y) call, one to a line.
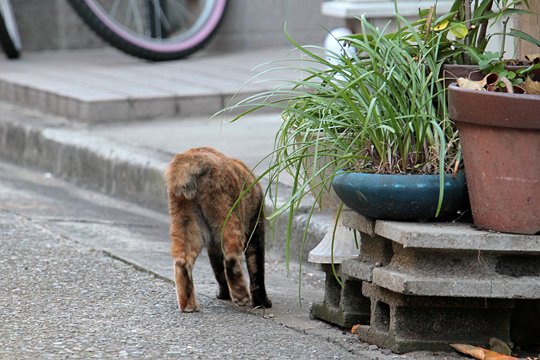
point(354, 329)
point(480, 353)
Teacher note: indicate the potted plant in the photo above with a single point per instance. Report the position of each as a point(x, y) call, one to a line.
point(500, 132)
point(381, 110)
point(463, 49)
point(467, 30)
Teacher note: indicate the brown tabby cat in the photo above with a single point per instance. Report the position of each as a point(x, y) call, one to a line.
point(203, 184)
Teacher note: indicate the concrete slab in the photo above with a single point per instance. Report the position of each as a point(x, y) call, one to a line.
point(448, 236)
point(250, 140)
point(475, 285)
point(128, 160)
point(456, 236)
point(104, 85)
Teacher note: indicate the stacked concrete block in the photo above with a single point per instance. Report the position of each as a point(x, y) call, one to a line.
point(433, 284)
point(344, 304)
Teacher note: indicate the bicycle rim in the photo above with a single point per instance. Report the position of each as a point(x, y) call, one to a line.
point(9, 34)
point(154, 29)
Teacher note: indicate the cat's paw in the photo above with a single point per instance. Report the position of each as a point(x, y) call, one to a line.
point(242, 302)
point(262, 302)
point(223, 294)
point(191, 308)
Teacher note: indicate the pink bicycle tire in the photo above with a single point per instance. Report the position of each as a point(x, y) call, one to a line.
point(95, 16)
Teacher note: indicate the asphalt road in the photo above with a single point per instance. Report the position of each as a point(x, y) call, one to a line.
point(62, 298)
point(83, 275)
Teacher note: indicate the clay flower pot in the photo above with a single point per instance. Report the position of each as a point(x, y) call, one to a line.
point(500, 137)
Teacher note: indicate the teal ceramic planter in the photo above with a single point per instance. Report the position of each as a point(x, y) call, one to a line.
point(401, 197)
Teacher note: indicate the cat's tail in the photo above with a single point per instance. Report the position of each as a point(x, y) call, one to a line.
point(183, 175)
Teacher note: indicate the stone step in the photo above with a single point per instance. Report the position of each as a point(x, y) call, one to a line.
point(93, 157)
point(102, 85)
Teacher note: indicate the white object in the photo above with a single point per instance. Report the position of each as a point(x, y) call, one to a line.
point(344, 247)
point(334, 46)
point(380, 8)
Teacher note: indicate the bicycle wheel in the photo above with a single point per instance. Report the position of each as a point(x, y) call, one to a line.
point(155, 30)
point(9, 35)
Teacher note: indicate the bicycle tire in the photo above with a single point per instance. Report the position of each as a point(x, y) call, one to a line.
point(146, 46)
point(9, 34)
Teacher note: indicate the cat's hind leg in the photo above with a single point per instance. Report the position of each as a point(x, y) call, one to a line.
point(186, 246)
point(255, 264)
point(216, 260)
point(233, 248)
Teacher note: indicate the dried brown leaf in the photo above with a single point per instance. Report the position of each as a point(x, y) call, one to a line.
point(480, 353)
point(531, 86)
point(492, 355)
point(474, 351)
point(471, 84)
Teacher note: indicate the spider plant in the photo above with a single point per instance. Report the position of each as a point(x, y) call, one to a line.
point(382, 110)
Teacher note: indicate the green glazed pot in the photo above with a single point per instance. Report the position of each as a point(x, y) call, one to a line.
point(401, 197)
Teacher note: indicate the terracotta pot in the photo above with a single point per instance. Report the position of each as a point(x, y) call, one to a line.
point(500, 137)
point(451, 72)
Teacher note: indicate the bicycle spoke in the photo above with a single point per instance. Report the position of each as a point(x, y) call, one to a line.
point(137, 17)
point(155, 13)
point(114, 8)
point(188, 15)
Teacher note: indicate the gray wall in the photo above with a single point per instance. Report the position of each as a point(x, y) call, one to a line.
point(52, 24)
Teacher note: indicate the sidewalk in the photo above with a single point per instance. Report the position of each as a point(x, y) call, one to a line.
point(85, 276)
point(88, 276)
point(105, 86)
point(111, 123)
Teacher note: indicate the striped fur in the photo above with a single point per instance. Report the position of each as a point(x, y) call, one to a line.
point(203, 184)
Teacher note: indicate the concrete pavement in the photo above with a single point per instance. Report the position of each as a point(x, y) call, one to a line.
point(88, 276)
point(104, 85)
point(65, 295)
point(110, 123)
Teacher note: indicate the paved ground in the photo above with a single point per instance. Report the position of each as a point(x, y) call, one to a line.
point(87, 276)
point(104, 85)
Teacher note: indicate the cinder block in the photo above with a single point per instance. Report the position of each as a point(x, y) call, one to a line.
point(433, 284)
point(344, 305)
point(406, 323)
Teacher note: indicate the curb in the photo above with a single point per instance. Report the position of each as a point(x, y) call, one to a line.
point(131, 173)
